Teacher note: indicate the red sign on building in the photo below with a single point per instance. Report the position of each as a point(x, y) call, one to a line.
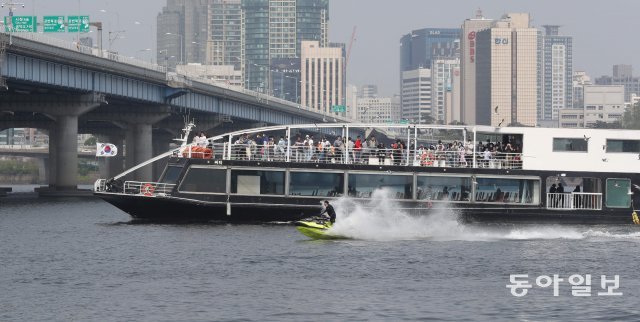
point(472, 46)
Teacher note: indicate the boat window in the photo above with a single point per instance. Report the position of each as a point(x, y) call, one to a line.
point(316, 184)
point(398, 186)
point(565, 192)
point(573, 184)
point(570, 145)
point(257, 182)
point(502, 190)
point(205, 180)
point(443, 188)
point(618, 193)
point(632, 146)
point(171, 174)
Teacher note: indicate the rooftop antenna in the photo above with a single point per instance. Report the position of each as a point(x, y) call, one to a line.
point(188, 127)
point(479, 14)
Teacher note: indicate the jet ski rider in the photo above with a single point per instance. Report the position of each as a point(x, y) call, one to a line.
point(328, 209)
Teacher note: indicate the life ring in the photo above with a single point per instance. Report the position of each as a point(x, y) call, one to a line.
point(147, 189)
point(425, 160)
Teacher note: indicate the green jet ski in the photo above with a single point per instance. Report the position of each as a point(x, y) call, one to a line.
point(316, 228)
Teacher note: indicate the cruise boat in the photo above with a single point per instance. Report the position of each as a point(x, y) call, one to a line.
point(480, 173)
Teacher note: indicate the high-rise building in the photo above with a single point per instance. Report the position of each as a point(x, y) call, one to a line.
point(622, 71)
point(416, 96)
point(418, 52)
point(225, 75)
point(379, 110)
point(452, 98)
point(441, 85)
point(468, 49)
point(580, 78)
point(556, 72)
point(352, 101)
point(224, 46)
point(622, 75)
point(275, 29)
point(419, 47)
point(602, 104)
point(322, 76)
point(182, 32)
point(507, 72)
point(369, 91)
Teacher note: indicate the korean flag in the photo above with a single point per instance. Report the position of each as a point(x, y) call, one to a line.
point(106, 150)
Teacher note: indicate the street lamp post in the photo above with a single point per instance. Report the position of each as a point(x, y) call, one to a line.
point(111, 28)
point(116, 36)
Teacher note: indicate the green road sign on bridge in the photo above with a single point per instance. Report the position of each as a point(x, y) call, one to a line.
point(53, 24)
point(78, 23)
point(20, 24)
point(339, 108)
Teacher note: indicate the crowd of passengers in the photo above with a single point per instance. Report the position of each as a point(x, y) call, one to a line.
point(308, 149)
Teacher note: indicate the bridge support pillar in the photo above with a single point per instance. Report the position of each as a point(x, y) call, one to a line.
point(67, 152)
point(137, 122)
point(53, 157)
point(63, 143)
point(42, 170)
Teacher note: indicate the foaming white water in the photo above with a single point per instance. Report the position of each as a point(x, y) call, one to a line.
point(608, 235)
point(382, 219)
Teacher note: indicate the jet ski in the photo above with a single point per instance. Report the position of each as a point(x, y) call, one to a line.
point(317, 227)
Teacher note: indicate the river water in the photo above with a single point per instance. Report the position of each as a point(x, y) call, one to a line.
point(84, 260)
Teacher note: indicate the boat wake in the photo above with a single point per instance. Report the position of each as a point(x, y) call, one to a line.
point(382, 219)
point(605, 234)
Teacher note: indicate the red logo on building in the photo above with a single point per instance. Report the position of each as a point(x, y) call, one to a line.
point(472, 46)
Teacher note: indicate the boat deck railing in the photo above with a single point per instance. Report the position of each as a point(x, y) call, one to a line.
point(346, 155)
point(574, 200)
point(150, 189)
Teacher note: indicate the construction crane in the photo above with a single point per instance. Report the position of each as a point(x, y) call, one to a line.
point(353, 38)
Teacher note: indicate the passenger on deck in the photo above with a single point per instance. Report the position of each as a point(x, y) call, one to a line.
point(554, 198)
point(560, 190)
point(382, 153)
point(487, 157)
point(499, 195)
point(445, 193)
point(357, 150)
point(577, 201)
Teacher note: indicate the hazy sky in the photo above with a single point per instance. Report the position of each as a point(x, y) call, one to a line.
point(605, 32)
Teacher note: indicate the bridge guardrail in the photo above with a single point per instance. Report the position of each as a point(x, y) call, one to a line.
point(76, 46)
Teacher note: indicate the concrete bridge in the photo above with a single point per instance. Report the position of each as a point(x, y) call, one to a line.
point(41, 156)
point(64, 89)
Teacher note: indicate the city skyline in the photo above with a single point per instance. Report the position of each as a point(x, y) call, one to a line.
point(375, 54)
